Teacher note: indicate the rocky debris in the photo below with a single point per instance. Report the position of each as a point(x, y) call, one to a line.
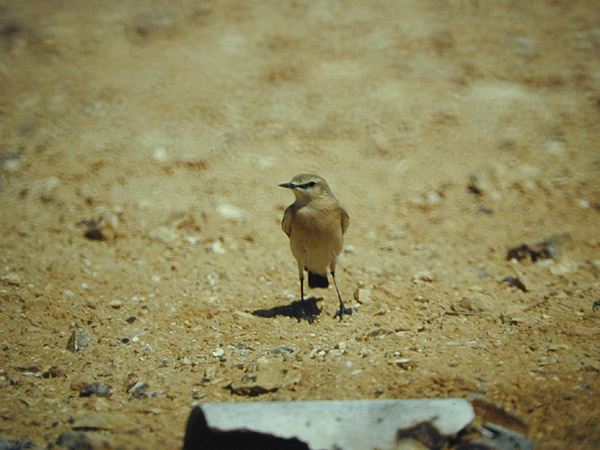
point(424, 276)
point(515, 282)
point(80, 339)
point(11, 279)
point(475, 302)
point(17, 445)
point(103, 227)
point(54, 372)
point(138, 390)
point(596, 306)
point(362, 295)
point(546, 249)
point(96, 388)
point(46, 189)
point(74, 440)
point(231, 212)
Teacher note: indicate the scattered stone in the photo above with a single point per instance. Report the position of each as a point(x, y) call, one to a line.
point(138, 390)
point(513, 281)
point(115, 304)
point(54, 372)
point(564, 267)
point(80, 339)
point(485, 182)
point(282, 349)
point(362, 295)
point(17, 445)
point(596, 306)
point(475, 302)
point(103, 227)
point(209, 374)
point(424, 276)
point(46, 189)
point(131, 319)
point(218, 248)
point(164, 234)
point(404, 363)
point(218, 352)
point(164, 363)
point(11, 279)
point(74, 440)
point(231, 212)
point(160, 154)
point(547, 249)
point(198, 395)
point(96, 388)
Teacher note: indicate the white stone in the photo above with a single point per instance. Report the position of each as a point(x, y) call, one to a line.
point(231, 212)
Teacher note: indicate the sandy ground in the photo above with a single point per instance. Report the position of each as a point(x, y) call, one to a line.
point(452, 130)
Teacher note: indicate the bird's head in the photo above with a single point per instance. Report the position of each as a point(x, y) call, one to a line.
point(308, 186)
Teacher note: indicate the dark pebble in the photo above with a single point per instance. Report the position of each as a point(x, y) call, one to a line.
point(131, 319)
point(16, 445)
point(96, 388)
point(74, 440)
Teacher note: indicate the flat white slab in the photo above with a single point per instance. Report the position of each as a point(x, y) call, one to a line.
point(345, 424)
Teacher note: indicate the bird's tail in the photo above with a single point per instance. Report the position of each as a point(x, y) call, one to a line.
point(317, 281)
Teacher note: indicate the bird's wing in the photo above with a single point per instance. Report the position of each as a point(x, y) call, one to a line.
point(286, 222)
point(345, 219)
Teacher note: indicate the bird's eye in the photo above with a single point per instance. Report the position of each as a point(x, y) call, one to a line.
point(310, 184)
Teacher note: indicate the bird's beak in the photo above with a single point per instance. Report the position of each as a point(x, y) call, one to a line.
point(287, 185)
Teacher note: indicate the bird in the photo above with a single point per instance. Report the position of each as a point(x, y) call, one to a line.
point(315, 223)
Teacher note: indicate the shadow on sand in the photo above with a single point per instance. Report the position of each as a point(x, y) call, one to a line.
point(300, 309)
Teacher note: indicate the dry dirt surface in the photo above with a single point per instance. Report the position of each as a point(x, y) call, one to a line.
point(141, 148)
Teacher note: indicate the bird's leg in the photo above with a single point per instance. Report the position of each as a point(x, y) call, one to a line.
point(343, 310)
point(301, 288)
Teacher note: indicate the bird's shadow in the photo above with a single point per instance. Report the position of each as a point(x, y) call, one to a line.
point(300, 309)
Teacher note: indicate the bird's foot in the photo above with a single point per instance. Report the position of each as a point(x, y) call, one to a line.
point(343, 310)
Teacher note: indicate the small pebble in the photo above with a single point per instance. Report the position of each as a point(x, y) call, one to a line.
point(231, 212)
point(79, 340)
point(138, 390)
point(96, 388)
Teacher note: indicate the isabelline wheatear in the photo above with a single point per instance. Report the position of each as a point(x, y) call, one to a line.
point(315, 223)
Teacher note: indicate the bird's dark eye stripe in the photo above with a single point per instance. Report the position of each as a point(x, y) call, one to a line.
point(308, 185)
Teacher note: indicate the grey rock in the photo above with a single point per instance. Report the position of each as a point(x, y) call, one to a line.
point(80, 339)
point(96, 388)
point(74, 440)
point(16, 445)
point(138, 390)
